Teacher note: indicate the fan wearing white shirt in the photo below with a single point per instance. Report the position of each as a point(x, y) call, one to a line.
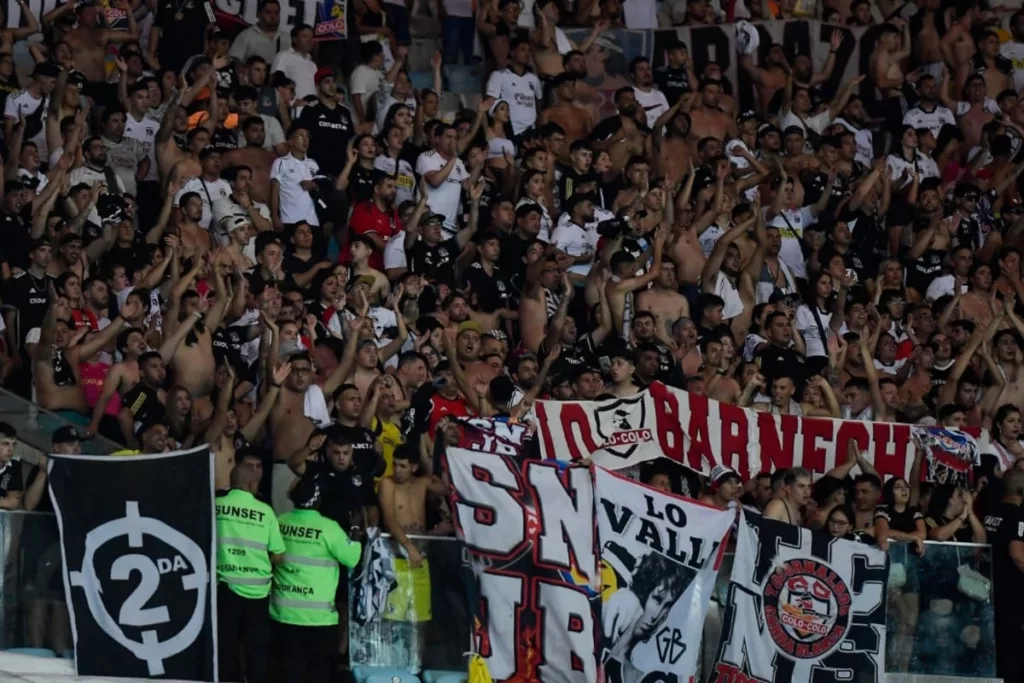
point(518, 86)
point(209, 186)
point(813, 126)
point(792, 222)
point(297, 62)
point(446, 176)
point(573, 238)
point(291, 181)
point(651, 100)
point(929, 113)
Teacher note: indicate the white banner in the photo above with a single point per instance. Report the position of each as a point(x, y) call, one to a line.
point(660, 555)
point(802, 606)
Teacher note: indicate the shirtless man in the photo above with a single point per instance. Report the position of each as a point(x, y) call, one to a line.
point(977, 116)
point(58, 354)
point(195, 240)
point(193, 362)
point(664, 300)
point(987, 62)
point(624, 135)
point(403, 501)
point(707, 120)
point(892, 48)
point(769, 78)
point(254, 158)
point(176, 156)
point(301, 408)
point(624, 282)
point(796, 492)
point(131, 343)
point(670, 144)
point(574, 120)
point(89, 38)
point(223, 433)
point(542, 276)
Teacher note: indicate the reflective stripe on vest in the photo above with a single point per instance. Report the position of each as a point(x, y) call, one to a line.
point(310, 561)
point(245, 581)
point(300, 604)
point(243, 543)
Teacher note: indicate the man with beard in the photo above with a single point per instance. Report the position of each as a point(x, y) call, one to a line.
point(329, 124)
point(706, 116)
point(961, 259)
point(929, 113)
point(95, 170)
point(128, 156)
point(645, 333)
point(239, 202)
point(625, 134)
point(856, 151)
point(572, 239)
point(377, 218)
point(648, 96)
point(209, 185)
point(264, 38)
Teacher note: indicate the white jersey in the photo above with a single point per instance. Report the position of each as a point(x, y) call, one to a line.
point(933, 120)
point(145, 132)
point(522, 92)
point(35, 112)
point(1014, 51)
point(865, 142)
point(791, 224)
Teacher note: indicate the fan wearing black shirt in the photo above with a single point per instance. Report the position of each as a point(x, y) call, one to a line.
point(329, 124)
point(779, 358)
point(12, 485)
point(1005, 528)
point(144, 403)
point(430, 256)
point(348, 402)
point(675, 77)
point(358, 177)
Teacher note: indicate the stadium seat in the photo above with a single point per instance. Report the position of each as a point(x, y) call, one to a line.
point(46, 653)
point(422, 79)
point(463, 80)
point(372, 674)
point(445, 677)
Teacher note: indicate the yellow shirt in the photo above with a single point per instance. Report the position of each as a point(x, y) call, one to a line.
point(389, 436)
point(127, 451)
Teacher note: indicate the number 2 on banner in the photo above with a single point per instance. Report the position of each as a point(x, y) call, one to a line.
point(133, 611)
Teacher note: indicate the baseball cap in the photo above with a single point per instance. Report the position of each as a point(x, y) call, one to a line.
point(322, 73)
point(470, 325)
point(746, 115)
point(719, 473)
point(66, 434)
point(433, 218)
point(232, 223)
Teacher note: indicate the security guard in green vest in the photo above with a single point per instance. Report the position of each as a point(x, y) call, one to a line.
point(302, 602)
point(248, 545)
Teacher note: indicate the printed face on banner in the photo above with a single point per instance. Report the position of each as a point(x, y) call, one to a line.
point(623, 425)
point(659, 557)
point(529, 528)
point(802, 606)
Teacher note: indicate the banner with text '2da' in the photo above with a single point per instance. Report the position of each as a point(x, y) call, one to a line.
point(529, 528)
point(660, 556)
point(138, 541)
point(802, 606)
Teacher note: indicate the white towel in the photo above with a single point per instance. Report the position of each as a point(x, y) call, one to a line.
point(314, 406)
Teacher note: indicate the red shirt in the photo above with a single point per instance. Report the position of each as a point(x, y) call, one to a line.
point(443, 407)
point(368, 219)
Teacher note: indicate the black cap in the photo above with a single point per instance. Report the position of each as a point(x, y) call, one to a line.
point(793, 130)
point(746, 115)
point(46, 69)
point(76, 78)
point(66, 434)
point(207, 152)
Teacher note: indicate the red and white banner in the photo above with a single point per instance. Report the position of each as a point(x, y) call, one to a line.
point(700, 433)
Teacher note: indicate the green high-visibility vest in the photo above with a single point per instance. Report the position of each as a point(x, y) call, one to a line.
point(306, 583)
point(247, 533)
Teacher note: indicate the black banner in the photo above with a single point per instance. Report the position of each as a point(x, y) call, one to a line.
point(138, 543)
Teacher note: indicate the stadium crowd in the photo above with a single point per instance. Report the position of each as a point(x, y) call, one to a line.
point(311, 264)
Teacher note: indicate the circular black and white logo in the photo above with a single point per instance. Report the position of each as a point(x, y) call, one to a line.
point(807, 608)
point(146, 586)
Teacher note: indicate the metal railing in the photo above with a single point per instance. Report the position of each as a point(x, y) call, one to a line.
point(934, 627)
point(937, 624)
